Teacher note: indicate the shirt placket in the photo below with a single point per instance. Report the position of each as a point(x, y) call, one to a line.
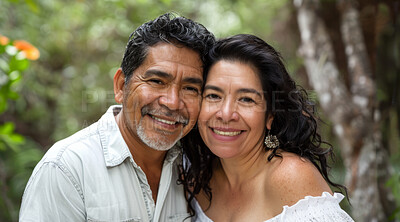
point(165, 182)
point(146, 192)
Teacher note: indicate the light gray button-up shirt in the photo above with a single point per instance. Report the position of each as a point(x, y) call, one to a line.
point(91, 176)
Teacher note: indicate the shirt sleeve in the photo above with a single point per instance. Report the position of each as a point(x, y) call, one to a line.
point(323, 208)
point(52, 194)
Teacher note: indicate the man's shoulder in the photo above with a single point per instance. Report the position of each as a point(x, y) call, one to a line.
point(82, 144)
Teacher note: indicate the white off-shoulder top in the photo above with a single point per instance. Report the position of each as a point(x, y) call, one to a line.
point(322, 208)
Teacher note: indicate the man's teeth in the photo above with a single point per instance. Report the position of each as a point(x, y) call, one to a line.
point(164, 121)
point(233, 133)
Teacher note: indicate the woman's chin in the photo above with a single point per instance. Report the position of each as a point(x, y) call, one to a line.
point(224, 152)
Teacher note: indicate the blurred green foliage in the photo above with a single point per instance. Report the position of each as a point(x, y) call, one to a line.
point(16, 160)
point(393, 183)
point(12, 63)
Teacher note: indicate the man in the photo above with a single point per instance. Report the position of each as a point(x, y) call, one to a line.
point(124, 167)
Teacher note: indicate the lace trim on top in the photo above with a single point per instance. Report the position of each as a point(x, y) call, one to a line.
point(322, 208)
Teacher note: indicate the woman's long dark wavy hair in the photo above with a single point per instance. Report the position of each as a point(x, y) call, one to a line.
point(294, 123)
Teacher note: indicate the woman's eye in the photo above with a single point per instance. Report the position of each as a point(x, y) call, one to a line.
point(247, 100)
point(212, 96)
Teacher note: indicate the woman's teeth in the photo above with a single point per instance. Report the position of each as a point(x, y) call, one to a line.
point(223, 133)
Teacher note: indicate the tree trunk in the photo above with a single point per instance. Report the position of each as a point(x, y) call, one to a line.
point(352, 111)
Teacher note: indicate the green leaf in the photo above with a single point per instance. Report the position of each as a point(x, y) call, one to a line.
point(12, 95)
point(17, 139)
point(3, 103)
point(32, 6)
point(7, 128)
point(16, 64)
point(2, 49)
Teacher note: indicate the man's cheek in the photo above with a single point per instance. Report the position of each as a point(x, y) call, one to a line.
point(193, 106)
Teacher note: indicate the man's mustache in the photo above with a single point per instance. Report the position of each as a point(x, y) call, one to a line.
point(164, 111)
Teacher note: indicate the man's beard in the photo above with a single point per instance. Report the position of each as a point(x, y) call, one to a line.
point(160, 143)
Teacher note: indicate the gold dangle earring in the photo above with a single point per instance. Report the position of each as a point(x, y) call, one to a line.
point(271, 141)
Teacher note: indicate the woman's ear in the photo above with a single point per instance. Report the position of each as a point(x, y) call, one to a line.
point(269, 121)
point(119, 83)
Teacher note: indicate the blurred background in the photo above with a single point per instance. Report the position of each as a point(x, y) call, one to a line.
point(345, 53)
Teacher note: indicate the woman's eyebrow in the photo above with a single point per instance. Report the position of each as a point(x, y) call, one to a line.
point(249, 90)
point(212, 87)
point(241, 90)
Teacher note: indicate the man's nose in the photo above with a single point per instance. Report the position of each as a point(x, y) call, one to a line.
point(172, 98)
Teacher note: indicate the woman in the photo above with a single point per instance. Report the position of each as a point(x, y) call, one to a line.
point(262, 158)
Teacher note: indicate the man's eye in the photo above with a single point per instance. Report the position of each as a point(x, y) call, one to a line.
point(192, 89)
point(247, 100)
point(156, 81)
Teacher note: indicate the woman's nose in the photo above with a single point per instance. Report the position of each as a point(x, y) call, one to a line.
point(227, 111)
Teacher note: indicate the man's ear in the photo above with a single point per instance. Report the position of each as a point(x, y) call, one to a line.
point(270, 119)
point(119, 83)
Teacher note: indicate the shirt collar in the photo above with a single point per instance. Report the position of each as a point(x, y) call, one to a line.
point(114, 147)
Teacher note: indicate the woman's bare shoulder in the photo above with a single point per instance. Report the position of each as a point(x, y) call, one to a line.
point(292, 177)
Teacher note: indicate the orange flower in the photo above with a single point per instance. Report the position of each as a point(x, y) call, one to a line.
point(3, 40)
point(31, 52)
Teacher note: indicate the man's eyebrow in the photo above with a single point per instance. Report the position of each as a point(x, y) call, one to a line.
point(165, 75)
point(249, 90)
point(158, 73)
point(193, 80)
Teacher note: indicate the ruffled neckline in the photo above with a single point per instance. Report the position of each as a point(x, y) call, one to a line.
point(299, 205)
point(325, 197)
